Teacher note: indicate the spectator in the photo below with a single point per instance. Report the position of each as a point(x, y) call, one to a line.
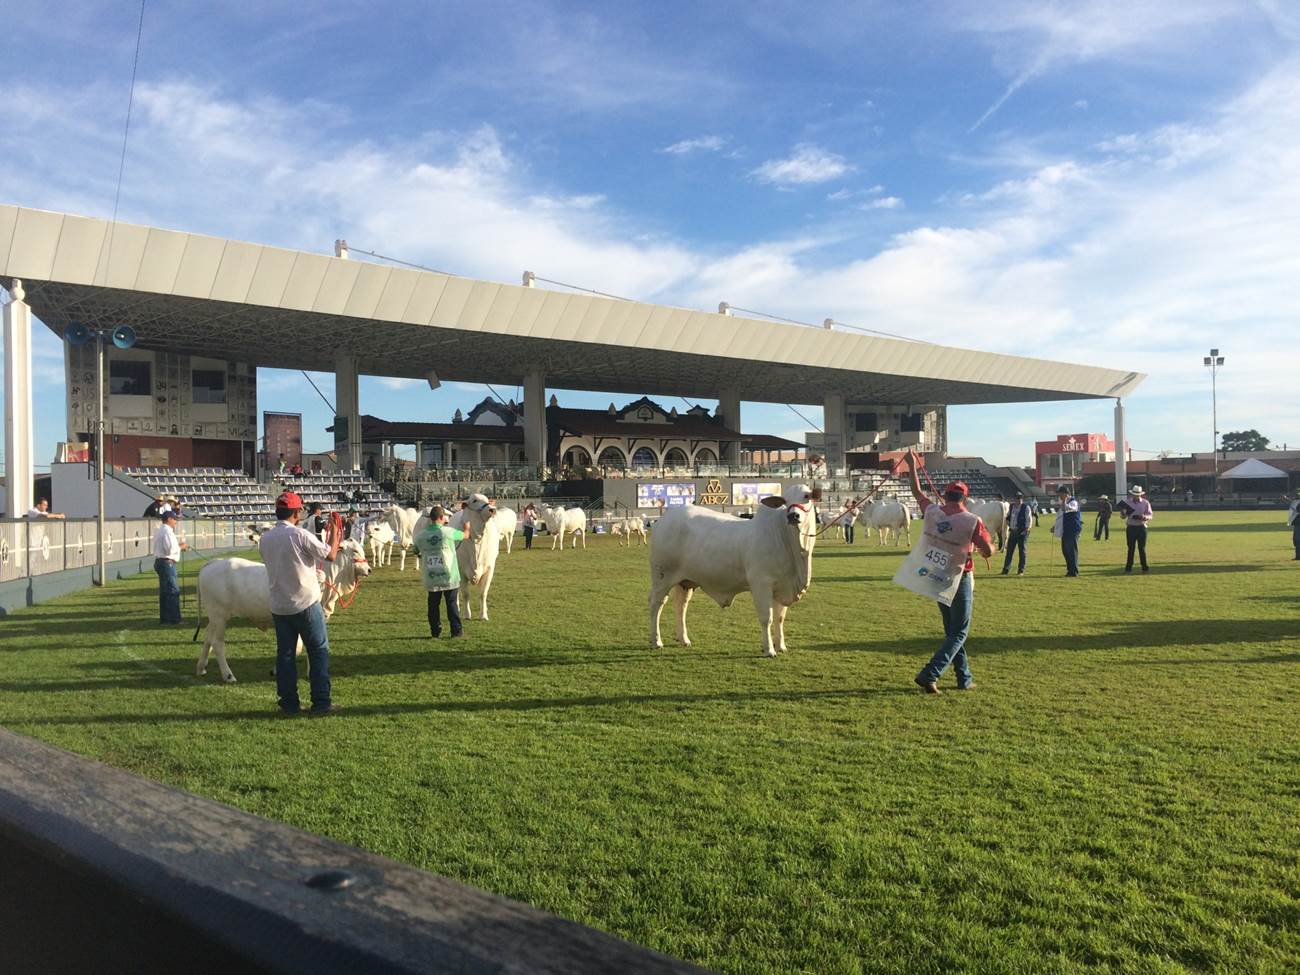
point(1188, 496)
point(317, 519)
point(296, 470)
point(1019, 521)
point(1293, 519)
point(938, 520)
point(358, 496)
point(42, 510)
point(1068, 527)
point(167, 550)
point(1102, 525)
point(283, 466)
point(291, 555)
point(1137, 512)
point(370, 467)
point(436, 546)
point(155, 508)
point(530, 524)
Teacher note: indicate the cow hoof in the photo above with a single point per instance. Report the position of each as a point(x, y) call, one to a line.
point(769, 653)
point(685, 643)
point(657, 645)
point(201, 673)
point(231, 679)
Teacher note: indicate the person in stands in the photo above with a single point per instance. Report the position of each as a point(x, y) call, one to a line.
point(436, 546)
point(167, 548)
point(42, 510)
point(1068, 527)
point(291, 555)
point(952, 516)
point(317, 519)
point(1137, 512)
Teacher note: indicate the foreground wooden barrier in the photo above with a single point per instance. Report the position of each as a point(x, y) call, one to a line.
point(104, 871)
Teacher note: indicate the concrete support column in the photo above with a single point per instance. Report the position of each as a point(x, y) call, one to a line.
point(347, 403)
point(446, 453)
point(729, 412)
point(20, 446)
point(833, 428)
point(478, 453)
point(1121, 457)
point(535, 417)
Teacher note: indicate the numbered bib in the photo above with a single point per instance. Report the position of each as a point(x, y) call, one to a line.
point(434, 562)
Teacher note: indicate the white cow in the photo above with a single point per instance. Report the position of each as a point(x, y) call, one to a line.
point(381, 536)
point(625, 528)
point(995, 515)
point(559, 521)
point(403, 522)
point(829, 518)
point(507, 522)
point(477, 553)
point(884, 517)
point(769, 556)
point(236, 588)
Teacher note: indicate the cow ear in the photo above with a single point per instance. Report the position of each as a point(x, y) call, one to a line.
point(774, 502)
point(816, 494)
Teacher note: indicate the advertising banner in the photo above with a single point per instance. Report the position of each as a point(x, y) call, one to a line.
point(672, 495)
point(283, 436)
point(748, 493)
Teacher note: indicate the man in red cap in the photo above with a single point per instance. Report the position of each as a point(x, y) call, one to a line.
point(968, 528)
point(291, 555)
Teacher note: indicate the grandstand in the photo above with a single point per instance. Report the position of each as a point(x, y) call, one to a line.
point(216, 492)
point(338, 490)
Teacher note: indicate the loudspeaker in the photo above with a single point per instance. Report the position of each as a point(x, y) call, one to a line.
point(77, 334)
point(124, 336)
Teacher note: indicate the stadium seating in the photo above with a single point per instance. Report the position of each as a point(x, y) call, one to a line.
point(208, 492)
point(337, 490)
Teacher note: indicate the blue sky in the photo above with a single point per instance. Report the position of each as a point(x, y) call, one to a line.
point(1114, 183)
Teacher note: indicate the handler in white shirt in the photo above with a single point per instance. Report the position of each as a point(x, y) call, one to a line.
point(167, 550)
point(291, 555)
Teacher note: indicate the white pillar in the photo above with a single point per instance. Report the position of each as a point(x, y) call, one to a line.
point(729, 411)
point(20, 466)
point(478, 453)
point(833, 430)
point(535, 417)
point(1121, 458)
point(347, 403)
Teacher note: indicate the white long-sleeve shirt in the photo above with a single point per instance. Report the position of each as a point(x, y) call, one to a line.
point(165, 544)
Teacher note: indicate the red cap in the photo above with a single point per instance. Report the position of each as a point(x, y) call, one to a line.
point(289, 501)
point(958, 486)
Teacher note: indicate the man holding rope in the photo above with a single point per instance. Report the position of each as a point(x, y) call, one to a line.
point(291, 555)
point(957, 533)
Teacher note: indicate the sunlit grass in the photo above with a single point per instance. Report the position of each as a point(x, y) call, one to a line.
point(1121, 793)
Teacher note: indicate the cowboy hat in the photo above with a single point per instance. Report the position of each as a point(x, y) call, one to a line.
point(1137, 490)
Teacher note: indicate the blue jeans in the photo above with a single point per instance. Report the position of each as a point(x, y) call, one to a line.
point(435, 607)
point(1015, 540)
point(1070, 549)
point(1295, 537)
point(310, 625)
point(956, 626)
point(848, 532)
point(169, 592)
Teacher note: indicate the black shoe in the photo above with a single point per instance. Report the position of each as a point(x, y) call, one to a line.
point(324, 712)
point(1006, 571)
point(283, 713)
point(436, 636)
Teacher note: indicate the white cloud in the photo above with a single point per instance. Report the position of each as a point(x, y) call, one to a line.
point(884, 203)
point(707, 143)
point(396, 382)
point(807, 164)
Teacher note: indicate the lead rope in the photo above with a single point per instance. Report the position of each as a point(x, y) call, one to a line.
point(852, 509)
point(988, 566)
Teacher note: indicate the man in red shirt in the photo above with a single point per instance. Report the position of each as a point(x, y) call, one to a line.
point(956, 618)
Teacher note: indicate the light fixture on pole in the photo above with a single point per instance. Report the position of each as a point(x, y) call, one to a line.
point(122, 337)
point(1212, 362)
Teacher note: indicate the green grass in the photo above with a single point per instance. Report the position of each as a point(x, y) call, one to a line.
point(1121, 793)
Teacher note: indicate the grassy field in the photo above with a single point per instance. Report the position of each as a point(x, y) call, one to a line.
point(1121, 792)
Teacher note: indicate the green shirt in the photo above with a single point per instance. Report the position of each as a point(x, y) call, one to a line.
point(438, 565)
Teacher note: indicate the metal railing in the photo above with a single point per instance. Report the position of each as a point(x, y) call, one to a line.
point(33, 547)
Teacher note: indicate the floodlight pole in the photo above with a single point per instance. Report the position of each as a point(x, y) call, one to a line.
point(99, 456)
point(1212, 362)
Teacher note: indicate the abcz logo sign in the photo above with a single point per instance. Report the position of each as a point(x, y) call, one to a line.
point(713, 493)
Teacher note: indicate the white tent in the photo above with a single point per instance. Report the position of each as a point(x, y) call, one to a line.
point(1254, 469)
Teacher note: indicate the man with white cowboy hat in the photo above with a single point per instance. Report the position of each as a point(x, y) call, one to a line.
point(1137, 512)
point(1068, 528)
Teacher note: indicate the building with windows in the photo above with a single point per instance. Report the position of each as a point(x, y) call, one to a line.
point(1062, 460)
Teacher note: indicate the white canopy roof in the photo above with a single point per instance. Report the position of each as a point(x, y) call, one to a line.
point(273, 307)
point(1253, 468)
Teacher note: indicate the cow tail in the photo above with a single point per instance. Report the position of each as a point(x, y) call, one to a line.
point(198, 612)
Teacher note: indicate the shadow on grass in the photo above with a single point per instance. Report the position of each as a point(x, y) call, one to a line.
point(1171, 634)
point(1228, 528)
point(509, 704)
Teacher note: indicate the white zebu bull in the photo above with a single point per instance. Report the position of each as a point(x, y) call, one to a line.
point(884, 517)
point(995, 515)
point(831, 523)
point(625, 528)
point(234, 588)
point(561, 520)
point(381, 537)
point(476, 554)
point(402, 521)
point(507, 522)
point(769, 556)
